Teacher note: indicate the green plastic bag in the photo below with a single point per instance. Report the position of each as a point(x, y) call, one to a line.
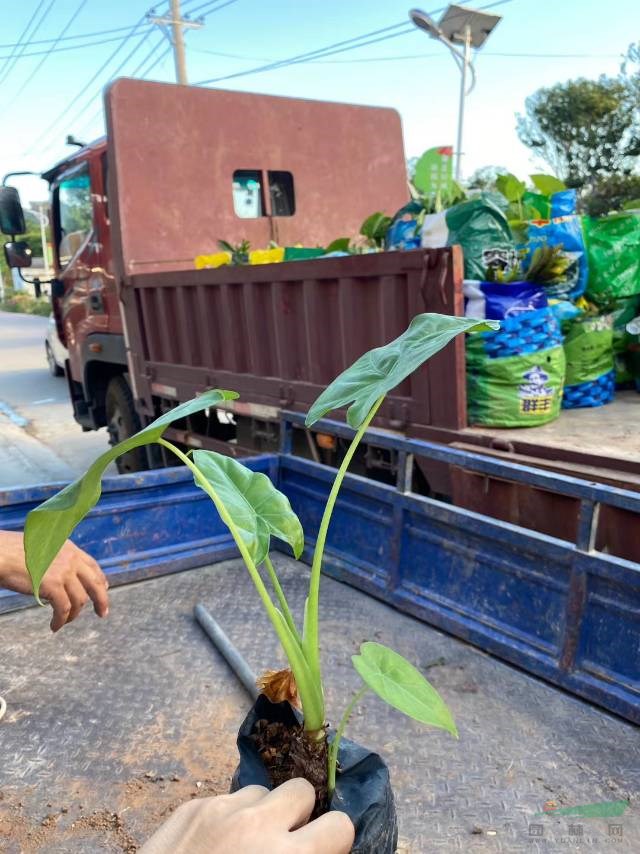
point(480, 227)
point(613, 251)
point(588, 347)
point(515, 391)
point(623, 312)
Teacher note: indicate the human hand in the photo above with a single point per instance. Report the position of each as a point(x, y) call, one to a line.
point(253, 821)
point(73, 578)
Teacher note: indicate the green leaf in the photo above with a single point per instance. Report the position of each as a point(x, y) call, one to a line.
point(255, 506)
point(510, 187)
point(49, 525)
point(632, 205)
point(547, 184)
point(380, 370)
point(340, 244)
point(402, 686)
point(376, 226)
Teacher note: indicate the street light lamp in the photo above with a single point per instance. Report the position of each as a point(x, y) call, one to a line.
point(466, 27)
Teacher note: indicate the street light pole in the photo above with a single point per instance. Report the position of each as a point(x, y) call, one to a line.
point(470, 28)
point(466, 64)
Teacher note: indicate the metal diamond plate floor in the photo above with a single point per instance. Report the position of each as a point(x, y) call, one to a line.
point(111, 724)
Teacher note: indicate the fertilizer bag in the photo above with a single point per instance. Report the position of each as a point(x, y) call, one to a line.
point(590, 378)
point(613, 248)
point(480, 227)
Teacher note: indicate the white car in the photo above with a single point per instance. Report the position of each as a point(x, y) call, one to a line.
point(55, 351)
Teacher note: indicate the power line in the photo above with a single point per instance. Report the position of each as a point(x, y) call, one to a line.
point(25, 43)
point(100, 112)
point(132, 32)
point(71, 47)
point(338, 47)
point(69, 38)
point(71, 20)
point(210, 3)
point(22, 36)
point(304, 57)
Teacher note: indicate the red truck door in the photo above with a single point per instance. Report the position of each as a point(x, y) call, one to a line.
point(80, 307)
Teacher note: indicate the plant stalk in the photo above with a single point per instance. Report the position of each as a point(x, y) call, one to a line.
point(334, 747)
point(284, 605)
point(311, 643)
point(308, 688)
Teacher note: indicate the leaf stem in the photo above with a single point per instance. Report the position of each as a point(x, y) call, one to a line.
point(311, 642)
point(308, 688)
point(284, 605)
point(334, 747)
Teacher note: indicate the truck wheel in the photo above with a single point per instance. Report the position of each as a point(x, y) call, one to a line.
point(123, 422)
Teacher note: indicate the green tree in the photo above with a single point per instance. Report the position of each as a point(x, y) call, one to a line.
point(630, 70)
point(611, 194)
point(586, 130)
point(485, 178)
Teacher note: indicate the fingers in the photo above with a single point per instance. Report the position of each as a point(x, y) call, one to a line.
point(245, 798)
point(96, 586)
point(78, 597)
point(291, 804)
point(61, 604)
point(332, 833)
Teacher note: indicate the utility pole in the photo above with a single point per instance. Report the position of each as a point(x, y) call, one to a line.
point(178, 25)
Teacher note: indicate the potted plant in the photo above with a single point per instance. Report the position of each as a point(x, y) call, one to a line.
point(276, 742)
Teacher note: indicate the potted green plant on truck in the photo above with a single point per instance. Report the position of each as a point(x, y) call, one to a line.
point(277, 741)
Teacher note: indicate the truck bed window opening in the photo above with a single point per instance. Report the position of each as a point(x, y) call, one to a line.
point(249, 196)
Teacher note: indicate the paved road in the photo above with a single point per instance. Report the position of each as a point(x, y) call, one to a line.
point(39, 440)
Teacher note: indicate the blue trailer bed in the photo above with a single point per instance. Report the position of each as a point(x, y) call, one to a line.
point(111, 724)
point(557, 608)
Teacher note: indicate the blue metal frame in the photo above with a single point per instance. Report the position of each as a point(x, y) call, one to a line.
point(557, 608)
point(145, 525)
point(554, 607)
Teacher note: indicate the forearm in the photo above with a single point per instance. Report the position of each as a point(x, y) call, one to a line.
point(13, 570)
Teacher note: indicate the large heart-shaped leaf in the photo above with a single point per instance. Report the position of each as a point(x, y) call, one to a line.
point(510, 187)
point(256, 507)
point(547, 184)
point(399, 684)
point(380, 370)
point(48, 526)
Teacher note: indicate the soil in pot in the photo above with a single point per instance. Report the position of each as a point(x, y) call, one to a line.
point(272, 754)
point(287, 752)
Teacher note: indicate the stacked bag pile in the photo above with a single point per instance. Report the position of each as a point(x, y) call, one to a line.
point(564, 287)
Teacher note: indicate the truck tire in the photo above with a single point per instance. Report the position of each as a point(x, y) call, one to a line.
point(123, 422)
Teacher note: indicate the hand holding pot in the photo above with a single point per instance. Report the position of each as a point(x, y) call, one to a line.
point(251, 821)
point(73, 578)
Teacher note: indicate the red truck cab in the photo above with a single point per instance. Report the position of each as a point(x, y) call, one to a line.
point(189, 167)
point(84, 296)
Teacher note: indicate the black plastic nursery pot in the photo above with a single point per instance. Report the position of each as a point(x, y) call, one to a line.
point(363, 787)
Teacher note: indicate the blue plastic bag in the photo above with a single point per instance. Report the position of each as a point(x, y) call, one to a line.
point(563, 203)
point(564, 231)
point(499, 300)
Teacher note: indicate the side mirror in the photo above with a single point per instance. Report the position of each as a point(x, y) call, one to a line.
point(57, 289)
point(11, 214)
point(17, 254)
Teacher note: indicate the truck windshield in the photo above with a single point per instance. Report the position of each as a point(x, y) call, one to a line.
point(75, 214)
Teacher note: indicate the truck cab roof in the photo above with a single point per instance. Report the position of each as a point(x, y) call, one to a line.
point(98, 146)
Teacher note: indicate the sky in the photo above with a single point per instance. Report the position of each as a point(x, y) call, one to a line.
point(538, 43)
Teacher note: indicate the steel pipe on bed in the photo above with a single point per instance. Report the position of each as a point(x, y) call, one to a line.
point(232, 656)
